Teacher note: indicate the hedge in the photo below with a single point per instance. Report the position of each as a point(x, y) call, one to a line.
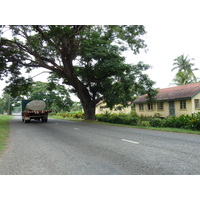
point(72, 115)
point(183, 121)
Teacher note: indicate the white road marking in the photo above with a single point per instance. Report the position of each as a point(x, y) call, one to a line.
point(77, 129)
point(134, 142)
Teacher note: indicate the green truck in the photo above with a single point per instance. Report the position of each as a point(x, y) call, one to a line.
point(34, 109)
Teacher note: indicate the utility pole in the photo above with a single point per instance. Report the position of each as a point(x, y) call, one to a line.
point(9, 105)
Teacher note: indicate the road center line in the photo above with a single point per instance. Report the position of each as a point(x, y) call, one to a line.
point(77, 129)
point(134, 142)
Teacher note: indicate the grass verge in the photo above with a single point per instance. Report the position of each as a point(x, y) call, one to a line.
point(165, 129)
point(4, 130)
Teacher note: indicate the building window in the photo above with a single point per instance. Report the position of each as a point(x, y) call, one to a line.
point(160, 106)
point(183, 104)
point(141, 106)
point(197, 103)
point(150, 106)
point(101, 108)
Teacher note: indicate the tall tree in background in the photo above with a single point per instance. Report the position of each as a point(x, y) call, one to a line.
point(185, 74)
point(87, 58)
point(55, 95)
point(56, 98)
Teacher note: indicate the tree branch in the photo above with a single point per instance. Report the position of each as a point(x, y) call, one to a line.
point(45, 37)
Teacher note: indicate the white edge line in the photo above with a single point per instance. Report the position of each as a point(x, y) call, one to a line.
point(134, 142)
point(77, 129)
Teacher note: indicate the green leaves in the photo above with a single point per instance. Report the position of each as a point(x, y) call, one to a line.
point(18, 86)
point(185, 74)
point(88, 58)
point(55, 95)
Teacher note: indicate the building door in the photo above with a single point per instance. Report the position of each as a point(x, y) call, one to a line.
point(171, 108)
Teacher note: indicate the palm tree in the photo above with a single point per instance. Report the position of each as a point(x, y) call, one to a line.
point(185, 74)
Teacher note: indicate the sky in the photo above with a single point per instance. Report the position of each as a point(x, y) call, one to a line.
point(165, 42)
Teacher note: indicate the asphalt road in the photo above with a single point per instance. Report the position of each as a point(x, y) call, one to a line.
point(67, 147)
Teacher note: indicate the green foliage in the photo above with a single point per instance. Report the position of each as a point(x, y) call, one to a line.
point(144, 123)
point(118, 118)
point(183, 121)
point(88, 58)
point(2, 106)
point(55, 95)
point(156, 122)
point(185, 74)
point(77, 115)
point(170, 122)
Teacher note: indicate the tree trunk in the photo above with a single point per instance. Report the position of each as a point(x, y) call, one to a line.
point(89, 111)
point(88, 104)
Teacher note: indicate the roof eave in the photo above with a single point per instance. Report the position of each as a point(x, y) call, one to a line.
point(161, 100)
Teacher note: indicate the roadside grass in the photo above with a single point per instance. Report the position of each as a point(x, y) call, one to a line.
point(164, 129)
point(4, 130)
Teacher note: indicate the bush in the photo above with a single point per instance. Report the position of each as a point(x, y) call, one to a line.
point(169, 122)
point(144, 123)
point(133, 113)
point(183, 121)
point(78, 115)
point(71, 114)
point(156, 122)
point(195, 121)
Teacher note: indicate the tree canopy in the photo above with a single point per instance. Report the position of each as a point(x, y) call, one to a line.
point(56, 98)
point(185, 74)
point(87, 58)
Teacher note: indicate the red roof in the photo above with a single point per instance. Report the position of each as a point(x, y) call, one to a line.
point(172, 93)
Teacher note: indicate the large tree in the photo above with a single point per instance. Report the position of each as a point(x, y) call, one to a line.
point(87, 58)
point(185, 74)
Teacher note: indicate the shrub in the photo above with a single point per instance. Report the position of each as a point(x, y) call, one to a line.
point(157, 115)
point(183, 121)
point(155, 122)
point(169, 122)
point(195, 121)
point(120, 118)
point(144, 123)
point(127, 120)
point(133, 113)
point(135, 120)
point(78, 115)
point(145, 118)
point(99, 117)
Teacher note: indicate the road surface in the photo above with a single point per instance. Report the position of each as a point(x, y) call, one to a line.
point(68, 147)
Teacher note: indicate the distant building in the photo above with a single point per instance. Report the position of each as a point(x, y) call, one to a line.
point(102, 108)
point(178, 100)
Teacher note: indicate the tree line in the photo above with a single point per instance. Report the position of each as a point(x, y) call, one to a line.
point(56, 97)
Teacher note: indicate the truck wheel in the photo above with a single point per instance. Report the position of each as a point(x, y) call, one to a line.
point(27, 121)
